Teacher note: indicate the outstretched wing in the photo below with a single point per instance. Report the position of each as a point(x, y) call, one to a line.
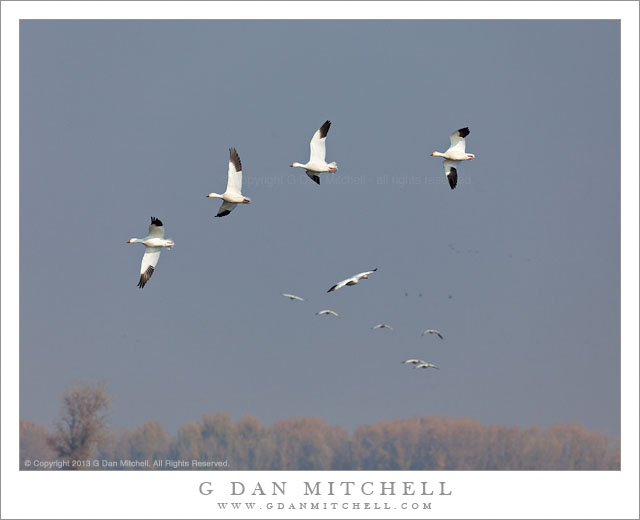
point(339, 285)
point(234, 181)
point(156, 229)
point(148, 265)
point(225, 208)
point(317, 145)
point(451, 173)
point(457, 140)
point(366, 273)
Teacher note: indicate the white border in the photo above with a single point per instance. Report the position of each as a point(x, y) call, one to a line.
point(175, 495)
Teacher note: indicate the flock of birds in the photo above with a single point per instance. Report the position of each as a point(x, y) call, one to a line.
point(155, 241)
point(417, 363)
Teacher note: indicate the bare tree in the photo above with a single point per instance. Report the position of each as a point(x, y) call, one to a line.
point(82, 424)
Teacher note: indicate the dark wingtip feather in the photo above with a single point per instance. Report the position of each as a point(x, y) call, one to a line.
point(464, 132)
point(333, 288)
point(234, 158)
point(144, 277)
point(223, 213)
point(315, 178)
point(324, 129)
point(453, 178)
point(156, 221)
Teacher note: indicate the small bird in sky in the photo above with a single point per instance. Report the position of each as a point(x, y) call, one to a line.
point(433, 331)
point(426, 365)
point(382, 326)
point(454, 154)
point(154, 243)
point(233, 195)
point(327, 312)
point(318, 152)
point(293, 297)
point(414, 361)
point(353, 280)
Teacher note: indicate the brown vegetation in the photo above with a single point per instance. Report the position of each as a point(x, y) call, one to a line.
point(310, 443)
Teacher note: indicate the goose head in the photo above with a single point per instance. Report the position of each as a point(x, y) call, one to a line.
point(296, 165)
point(214, 195)
point(132, 241)
point(436, 154)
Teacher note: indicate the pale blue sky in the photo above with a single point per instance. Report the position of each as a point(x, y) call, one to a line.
point(121, 120)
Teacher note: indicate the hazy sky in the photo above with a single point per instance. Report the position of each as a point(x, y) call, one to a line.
point(121, 120)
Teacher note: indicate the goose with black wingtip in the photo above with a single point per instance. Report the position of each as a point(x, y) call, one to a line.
point(233, 195)
point(455, 154)
point(318, 152)
point(353, 280)
point(154, 243)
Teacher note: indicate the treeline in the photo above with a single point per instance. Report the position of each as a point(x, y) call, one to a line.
point(310, 443)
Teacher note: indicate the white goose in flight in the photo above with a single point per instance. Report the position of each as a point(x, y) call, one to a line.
point(454, 155)
point(317, 163)
point(426, 365)
point(433, 331)
point(327, 311)
point(233, 195)
point(353, 280)
point(154, 243)
point(414, 361)
point(382, 326)
point(293, 297)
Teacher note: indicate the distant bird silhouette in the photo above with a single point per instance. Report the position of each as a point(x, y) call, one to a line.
point(293, 297)
point(327, 311)
point(353, 280)
point(382, 326)
point(414, 361)
point(433, 331)
point(426, 365)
